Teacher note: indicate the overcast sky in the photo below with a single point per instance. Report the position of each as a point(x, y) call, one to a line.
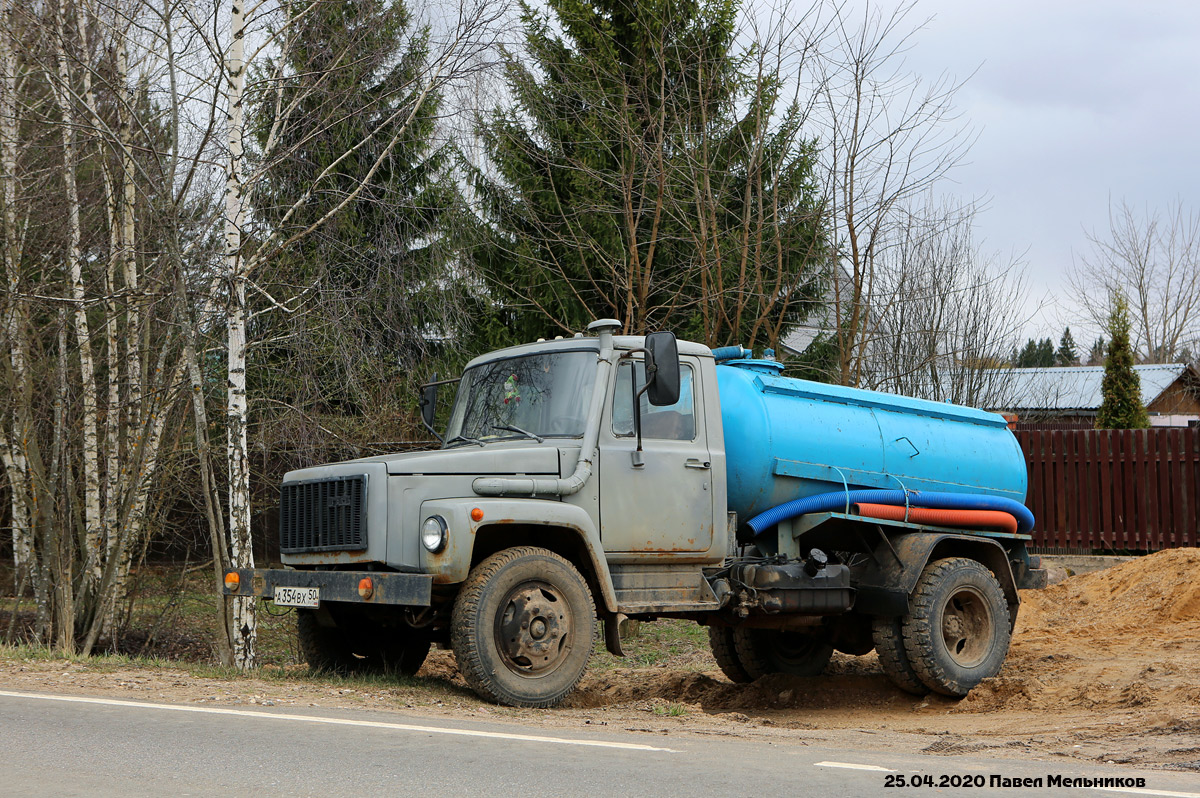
point(1073, 103)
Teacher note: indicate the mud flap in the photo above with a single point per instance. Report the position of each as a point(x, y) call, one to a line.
point(612, 634)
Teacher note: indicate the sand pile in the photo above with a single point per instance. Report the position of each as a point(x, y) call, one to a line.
point(1157, 596)
point(1125, 637)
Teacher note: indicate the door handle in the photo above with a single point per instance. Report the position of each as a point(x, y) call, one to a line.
point(692, 462)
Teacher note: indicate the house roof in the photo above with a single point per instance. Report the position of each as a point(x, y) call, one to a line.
point(1078, 387)
point(798, 338)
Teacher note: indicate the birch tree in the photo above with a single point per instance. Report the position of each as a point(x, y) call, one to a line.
point(80, 96)
point(15, 432)
point(457, 47)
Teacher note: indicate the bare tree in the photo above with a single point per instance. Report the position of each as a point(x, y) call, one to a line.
point(943, 322)
point(887, 136)
point(85, 495)
point(1153, 258)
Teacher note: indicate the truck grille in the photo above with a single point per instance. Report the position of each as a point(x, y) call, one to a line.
point(323, 515)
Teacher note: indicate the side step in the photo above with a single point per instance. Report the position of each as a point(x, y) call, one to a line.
point(646, 589)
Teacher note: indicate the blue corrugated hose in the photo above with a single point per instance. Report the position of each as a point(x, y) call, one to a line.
point(839, 499)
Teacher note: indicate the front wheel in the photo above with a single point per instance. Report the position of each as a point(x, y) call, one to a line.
point(523, 627)
point(957, 630)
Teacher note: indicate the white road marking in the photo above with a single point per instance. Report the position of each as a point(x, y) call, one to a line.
point(527, 738)
point(852, 766)
point(1140, 791)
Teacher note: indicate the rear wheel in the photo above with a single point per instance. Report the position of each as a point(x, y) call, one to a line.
point(889, 645)
point(957, 630)
point(766, 651)
point(724, 650)
point(523, 628)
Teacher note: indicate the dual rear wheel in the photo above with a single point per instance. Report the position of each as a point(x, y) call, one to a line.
point(956, 634)
point(744, 655)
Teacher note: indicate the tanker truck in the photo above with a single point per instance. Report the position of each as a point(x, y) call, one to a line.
point(581, 481)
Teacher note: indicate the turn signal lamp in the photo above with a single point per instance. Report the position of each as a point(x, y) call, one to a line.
point(232, 580)
point(365, 588)
point(477, 514)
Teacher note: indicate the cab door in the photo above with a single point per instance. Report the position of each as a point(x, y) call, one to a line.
point(665, 504)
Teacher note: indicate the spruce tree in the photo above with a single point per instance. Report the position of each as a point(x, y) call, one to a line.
point(620, 170)
point(370, 290)
point(1122, 389)
point(1027, 357)
point(1067, 354)
point(1045, 353)
point(1036, 354)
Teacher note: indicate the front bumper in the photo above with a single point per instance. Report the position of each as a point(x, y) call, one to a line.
point(414, 590)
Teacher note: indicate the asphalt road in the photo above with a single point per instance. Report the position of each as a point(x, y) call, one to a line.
point(56, 745)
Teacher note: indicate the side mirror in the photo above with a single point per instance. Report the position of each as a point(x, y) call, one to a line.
point(662, 369)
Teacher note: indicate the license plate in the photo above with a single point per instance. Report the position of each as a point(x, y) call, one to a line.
point(298, 596)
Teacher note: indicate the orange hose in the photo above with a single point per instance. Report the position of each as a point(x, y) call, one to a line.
point(968, 519)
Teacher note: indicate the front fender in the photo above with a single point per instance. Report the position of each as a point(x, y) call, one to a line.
point(453, 564)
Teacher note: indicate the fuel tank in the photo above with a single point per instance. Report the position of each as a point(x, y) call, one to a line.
point(787, 439)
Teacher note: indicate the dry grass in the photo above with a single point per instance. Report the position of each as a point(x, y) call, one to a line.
point(172, 620)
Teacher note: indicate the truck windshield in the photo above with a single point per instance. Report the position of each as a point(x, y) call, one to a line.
point(543, 394)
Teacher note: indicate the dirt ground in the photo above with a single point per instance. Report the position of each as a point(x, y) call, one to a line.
point(1103, 667)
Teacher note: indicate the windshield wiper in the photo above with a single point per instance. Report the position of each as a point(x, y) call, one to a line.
point(518, 430)
point(464, 438)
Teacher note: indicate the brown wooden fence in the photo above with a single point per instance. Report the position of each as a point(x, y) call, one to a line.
point(1113, 489)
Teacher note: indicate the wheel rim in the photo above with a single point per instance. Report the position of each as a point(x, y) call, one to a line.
point(533, 629)
point(967, 627)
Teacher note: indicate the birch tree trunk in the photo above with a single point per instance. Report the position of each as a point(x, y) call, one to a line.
point(134, 373)
point(90, 459)
point(13, 448)
point(240, 549)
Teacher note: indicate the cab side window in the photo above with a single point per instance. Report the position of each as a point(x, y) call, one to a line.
point(672, 422)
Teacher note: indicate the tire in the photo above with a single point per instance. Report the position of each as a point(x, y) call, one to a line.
point(957, 629)
point(765, 651)
point(354, 648)
point(324, 648)
point(402, 657)
point(523, 628)
point(720, 640)
point(888, 634)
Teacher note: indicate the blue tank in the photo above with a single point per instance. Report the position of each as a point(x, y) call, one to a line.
point(788, 439)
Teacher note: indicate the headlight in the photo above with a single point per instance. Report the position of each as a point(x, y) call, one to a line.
point(433, 534)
